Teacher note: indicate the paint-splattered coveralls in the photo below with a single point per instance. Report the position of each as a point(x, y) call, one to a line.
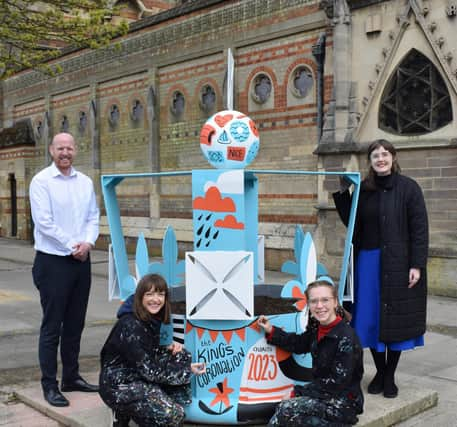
point(334, 397)
point(139, 378)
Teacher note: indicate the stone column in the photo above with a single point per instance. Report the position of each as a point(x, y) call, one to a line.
point(153, 144)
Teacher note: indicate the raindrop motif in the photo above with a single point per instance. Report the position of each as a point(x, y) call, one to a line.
point(216, 234)
point(208, 232)
point(199, 231)
point(198, 243)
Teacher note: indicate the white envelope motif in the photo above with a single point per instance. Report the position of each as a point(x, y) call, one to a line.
point(219, 285)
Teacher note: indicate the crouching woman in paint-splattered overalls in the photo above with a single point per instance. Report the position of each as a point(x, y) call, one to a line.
point(139, 379)
point(334, 397)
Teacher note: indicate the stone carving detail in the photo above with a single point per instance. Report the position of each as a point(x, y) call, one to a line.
point(114, 115)
point(64, 124)
point(178, 103)
point(82, 122)
point(451, 9)
point(137, 110)
point(207, 98)
point(341, 12)
point(302, 82)
point(432, 26)
point(261, 88)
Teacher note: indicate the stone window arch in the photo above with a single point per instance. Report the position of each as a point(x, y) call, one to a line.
point(178, 103)
point(207, 100)
point(261, 88)
point(301, 81)
point(415, 100)
point(114, 115)
point(64, 124)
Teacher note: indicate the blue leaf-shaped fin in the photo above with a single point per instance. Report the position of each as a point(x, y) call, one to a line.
point(128, 287)
point(298, 241)
point(141, 257)
point(326, 279)
point(286, 291)
point(290, 267)
point(170, 245)
point(321, 270)
point(308, 260)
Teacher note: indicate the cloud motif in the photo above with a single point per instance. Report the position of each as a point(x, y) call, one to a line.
point(231, 182)
point(214, 202)
point(229, 222)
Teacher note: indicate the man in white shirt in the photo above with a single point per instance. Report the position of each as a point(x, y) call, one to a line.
point(66, 217)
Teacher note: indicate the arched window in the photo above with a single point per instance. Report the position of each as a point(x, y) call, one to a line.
point(415, 100)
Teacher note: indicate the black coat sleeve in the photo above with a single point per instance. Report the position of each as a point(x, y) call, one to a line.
point(295, 343)
point(417, 227)
point(343, 205)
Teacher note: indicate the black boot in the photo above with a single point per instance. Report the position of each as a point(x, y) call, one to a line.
point(376, 385)
point(390, 388)
point(120, 420)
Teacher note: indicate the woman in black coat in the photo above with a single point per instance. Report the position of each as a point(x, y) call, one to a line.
point(391, 245)
point(139, 379)
point(333, 397)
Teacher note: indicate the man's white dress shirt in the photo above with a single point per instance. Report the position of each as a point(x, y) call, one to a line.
point(64, 210)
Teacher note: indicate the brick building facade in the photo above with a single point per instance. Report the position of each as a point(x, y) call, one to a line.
point(321, 79)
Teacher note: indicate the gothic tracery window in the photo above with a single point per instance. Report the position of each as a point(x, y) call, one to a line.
point(415, 100)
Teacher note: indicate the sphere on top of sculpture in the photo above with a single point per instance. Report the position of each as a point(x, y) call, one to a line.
point(229, 140)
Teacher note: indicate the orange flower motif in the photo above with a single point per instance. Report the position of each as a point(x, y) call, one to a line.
point(221, 391)
point(253, 128)
point(297, 293)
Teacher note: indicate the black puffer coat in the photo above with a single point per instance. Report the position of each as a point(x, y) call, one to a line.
point(403, 229)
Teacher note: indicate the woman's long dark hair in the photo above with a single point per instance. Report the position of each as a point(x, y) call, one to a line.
point(369, 181)
point(148, 282)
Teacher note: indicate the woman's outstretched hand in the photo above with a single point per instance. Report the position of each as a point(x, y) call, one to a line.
point(264, 323)
point(198, 368)
point(175, 347)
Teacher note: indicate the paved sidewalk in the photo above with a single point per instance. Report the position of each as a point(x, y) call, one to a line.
point(427, 377)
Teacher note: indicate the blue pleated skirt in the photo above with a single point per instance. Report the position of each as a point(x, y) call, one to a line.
point(365, 313)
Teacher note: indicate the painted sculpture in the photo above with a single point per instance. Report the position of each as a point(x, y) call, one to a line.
point(216, 287)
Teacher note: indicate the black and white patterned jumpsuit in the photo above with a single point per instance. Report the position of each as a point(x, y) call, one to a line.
point(141, 379)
